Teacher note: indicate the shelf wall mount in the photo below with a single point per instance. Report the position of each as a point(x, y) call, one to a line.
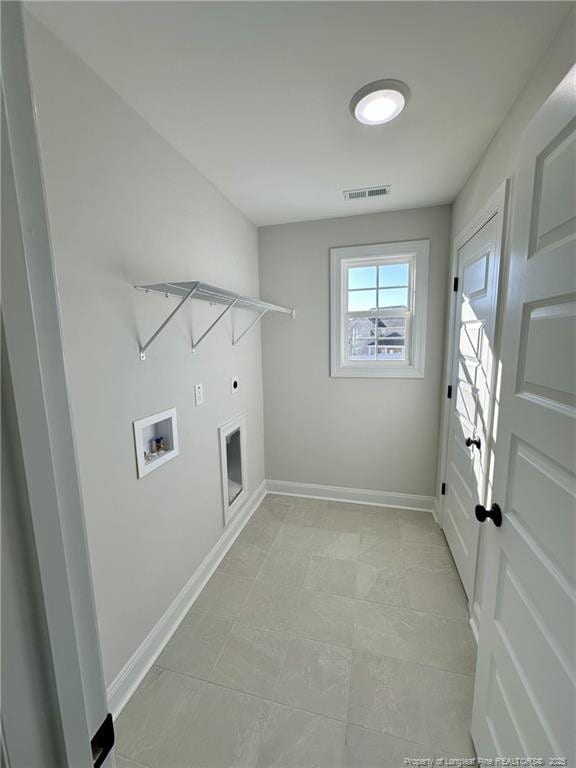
point(196, 290)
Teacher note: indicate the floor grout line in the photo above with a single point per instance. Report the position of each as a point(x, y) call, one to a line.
point(290, 633)
point(251, 695)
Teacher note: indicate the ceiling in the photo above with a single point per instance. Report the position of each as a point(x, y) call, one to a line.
point(255, 94)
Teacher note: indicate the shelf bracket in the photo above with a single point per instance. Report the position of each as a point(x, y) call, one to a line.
point(196, 344)
point(236, 339)
point(144, 347)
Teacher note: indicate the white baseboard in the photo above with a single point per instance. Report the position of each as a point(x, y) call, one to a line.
point(133, 672)
point(353, 495)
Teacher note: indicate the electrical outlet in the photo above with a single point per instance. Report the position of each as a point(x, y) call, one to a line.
point(234, 384)
point(199, 394)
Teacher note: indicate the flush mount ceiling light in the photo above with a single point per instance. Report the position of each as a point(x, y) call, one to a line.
point(379, 102)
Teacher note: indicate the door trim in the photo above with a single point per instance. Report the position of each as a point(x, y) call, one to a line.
point(31, 317)
point(496, 205)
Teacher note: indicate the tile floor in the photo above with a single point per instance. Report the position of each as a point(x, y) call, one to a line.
point(331, 635)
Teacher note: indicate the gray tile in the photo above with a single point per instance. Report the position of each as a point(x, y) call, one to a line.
point(224, 595)
point(370, 749)
point(436, 593)
point(342, 546)
point(380, 550)
point(444, 758)
point(432, 559)
point(296, 739)
point(285, 567)
point(196, 644)
point(381, 521)
point(306, 512)
point(271, 605)
point(330, 575)
point(325, 617)
point(420, 528)
point(382, 585)
point(123, 762)
point(273, 508)
point(445, 643)
point(416, 516)
point(260, 532)
point(415, 636)
point(385, 695)
point(234, 729)
point(448, 710)
point(243, 560)
point(226, 730)
point(278, 501)
point(295, 538)
point(386, 630)
point(316, 677)
point(343, 517)
point(251, 660)
point(407, 682)
point(154, 726)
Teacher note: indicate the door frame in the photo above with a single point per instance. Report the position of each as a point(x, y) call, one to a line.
point(496, 205)
point(31, 319)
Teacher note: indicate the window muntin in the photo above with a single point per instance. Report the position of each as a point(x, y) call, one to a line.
point(378, 326)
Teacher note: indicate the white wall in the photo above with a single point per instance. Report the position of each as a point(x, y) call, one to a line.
point(124, 207)
point(374, 434)
point(499, 160)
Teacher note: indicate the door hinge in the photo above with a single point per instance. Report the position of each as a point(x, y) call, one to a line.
point(443, 489)
point(456, 281)
point(449, 392)
point(103, 741)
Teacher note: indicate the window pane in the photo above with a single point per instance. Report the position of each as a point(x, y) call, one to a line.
point(392, 327)
point(362, 338)
point(361, 300)
point(391, 338)
point(393, 297)
point(371, 338)
point(392, 350)
point(393, 275)
point(362, 277)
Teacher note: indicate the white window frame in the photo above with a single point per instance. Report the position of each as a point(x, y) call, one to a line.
point(417, 253)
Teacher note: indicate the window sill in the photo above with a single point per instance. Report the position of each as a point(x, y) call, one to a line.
point(363, 372)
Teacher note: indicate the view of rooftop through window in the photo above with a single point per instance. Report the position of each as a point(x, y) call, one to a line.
point(378, 304)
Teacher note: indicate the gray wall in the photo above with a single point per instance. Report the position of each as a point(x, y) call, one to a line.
point(375, 434)
point(124, 207)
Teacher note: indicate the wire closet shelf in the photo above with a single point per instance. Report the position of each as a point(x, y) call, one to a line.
point(210, 293)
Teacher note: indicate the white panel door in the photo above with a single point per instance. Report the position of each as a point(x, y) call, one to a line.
point(525, 693)
point(472, 396)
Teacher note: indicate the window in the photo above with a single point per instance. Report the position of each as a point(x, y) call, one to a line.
point(378, 309)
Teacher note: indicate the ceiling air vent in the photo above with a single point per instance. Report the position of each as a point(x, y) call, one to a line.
point(357, 194)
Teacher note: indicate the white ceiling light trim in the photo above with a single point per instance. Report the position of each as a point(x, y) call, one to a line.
point(379, 102)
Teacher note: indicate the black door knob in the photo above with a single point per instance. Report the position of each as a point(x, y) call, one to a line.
point(494, 513)
point(473, 441)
